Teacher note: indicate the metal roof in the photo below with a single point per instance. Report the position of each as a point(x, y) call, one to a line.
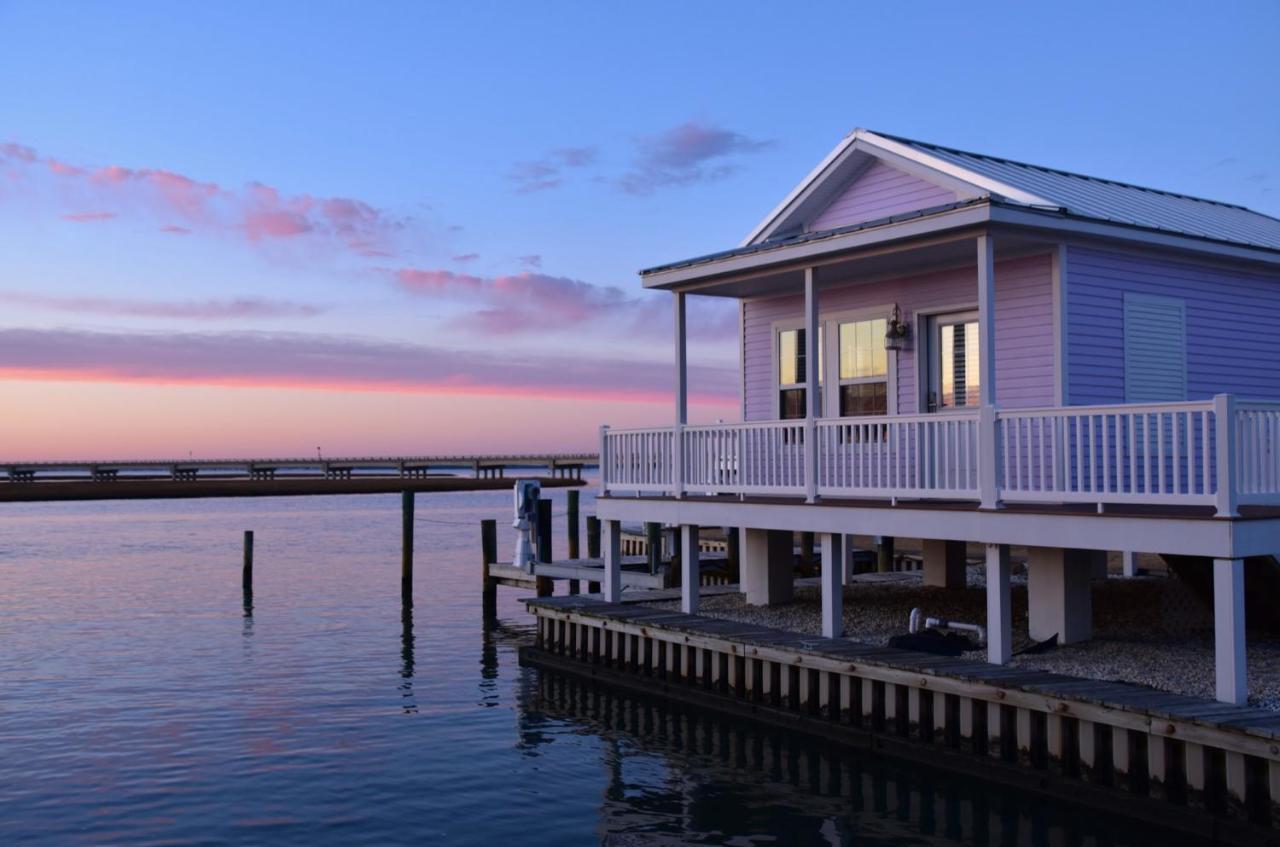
point(1109, 200)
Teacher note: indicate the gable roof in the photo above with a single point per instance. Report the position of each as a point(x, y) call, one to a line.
point(973, 176)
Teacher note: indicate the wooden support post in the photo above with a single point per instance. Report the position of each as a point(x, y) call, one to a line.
point(884, 553)
point(571, 521)
point(488, 555)
point(543, 586)
point(653, 538)
point(406, 546)
point(999, 614)
point(593, 537)
point(246, 574)
point(612, 561)
point(733, 554)
point(807, 567)
point(832, 585)
point(1231, 680)
point(690, 582)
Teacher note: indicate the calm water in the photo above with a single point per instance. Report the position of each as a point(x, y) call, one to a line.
point(142, 702)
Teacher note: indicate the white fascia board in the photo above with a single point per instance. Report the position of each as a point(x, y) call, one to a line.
point(914, 227)
point(804, 187)
point(942, 166)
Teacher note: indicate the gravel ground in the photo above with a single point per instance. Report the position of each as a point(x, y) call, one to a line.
point(1147, 630)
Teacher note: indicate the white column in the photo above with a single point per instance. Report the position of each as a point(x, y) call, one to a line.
point(682, 394)
point(1228, 630)
point(988, 439)
point(1128, 563)
point(832, 585)
point(1224, 414)
point(767, 562)
point(611, 541)
point(944, 563)
point(1059, 594)
point(812, 379)
point(690, 569)
point(999, 614)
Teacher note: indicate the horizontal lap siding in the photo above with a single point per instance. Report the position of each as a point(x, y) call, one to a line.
point(880, 192)
point(1024, 342)
point(1232, 320)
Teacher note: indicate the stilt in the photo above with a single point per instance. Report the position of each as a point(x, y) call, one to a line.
point(612, 561)
point(690, 576)
point(488, 555)
point(246, 574)
point(406, 546)
point(1059, 594)
point(653, 540)
point(543, 586)
point(807, 566)
point(768, 564)
point(1228, 630)
point(884, 553)
point(733, 554)
point(593, 537)
point(999, 614)
point(571, 521)
point(944, 563)
point(832, 585)
point(1129, 563)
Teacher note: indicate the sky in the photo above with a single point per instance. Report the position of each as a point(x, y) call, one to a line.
point(240, 229)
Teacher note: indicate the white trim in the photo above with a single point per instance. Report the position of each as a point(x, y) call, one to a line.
point(742, 360)
point(1058, 277)
point(963, 182)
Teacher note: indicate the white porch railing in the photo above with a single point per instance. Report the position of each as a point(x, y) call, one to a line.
point(1166, 453)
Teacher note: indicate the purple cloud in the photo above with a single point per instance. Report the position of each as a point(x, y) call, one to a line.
point(689, 153)
point(258, 359)
point(242, 307)
point(548, 172)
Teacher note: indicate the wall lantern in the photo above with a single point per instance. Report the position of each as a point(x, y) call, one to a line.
point(897, 332)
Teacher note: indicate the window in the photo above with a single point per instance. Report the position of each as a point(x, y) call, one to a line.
point(864, 368)
point(793, 373)
point(954, 367)
point(1155, 349)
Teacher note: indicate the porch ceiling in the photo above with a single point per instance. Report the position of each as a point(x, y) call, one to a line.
point(867, 266)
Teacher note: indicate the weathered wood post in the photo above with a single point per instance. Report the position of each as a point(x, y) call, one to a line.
point(406, 546)
point(884, 553)
point(733, 536)
point(806, 554)
point(653, 541)
point(593, 547)
point(593, 537)
point(246, 575)
point(543, 585)
point(489, 554)
point(571, 525)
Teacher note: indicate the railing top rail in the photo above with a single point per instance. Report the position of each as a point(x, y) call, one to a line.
point(1257, 406)
point(1109, 409)
point(778, 424)
point(930, 417)
point(640, 431)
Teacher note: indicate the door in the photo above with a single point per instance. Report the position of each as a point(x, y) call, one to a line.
point(953, 384)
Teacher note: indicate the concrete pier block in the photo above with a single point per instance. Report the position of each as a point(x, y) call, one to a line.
point(944, 563)
point(999, 611)
point(690, 570)
point(1059, 596)
point(768, 562)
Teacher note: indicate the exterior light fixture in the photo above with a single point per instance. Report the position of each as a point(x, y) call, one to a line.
point(897, 332)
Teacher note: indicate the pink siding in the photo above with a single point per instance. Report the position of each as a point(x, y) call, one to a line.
point(879, 192)
point(1024, 329)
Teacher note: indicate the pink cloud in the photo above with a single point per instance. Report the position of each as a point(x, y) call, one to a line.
point(685, 154)
point(86, 217)
point(242, 307)
point(293, 360)
point(257, 212)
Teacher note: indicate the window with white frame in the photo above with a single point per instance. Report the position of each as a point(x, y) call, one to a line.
point(793, 373)
point(864, 368)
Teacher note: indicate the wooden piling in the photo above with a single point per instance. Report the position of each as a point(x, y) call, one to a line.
point(807, 565)
point(406, 545)
point(571, 521)
point(489, 554)
point(593, 537)
point(543, 585)
point(884, 553)
point(653, 540)
point(246, 575)
point(732, 555)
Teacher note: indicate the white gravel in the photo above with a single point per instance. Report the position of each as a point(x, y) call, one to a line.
point(1147, 630)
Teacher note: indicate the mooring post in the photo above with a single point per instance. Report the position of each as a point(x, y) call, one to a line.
point(489, 555)
point(543, 584)
point(571, 524)
point(884, 553)
point(653, 543)
point(246, 575)
point(406, 546)
point(593, 537)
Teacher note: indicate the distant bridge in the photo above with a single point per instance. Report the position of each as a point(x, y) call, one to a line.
point(163, 478)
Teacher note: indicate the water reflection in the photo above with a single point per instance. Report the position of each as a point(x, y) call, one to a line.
point(410, 704)
point(675, 774)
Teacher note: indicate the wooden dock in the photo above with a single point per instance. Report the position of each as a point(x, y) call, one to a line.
point(1129, 742)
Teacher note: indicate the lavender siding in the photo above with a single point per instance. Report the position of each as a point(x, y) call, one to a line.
point(1232, 316)
point(1024, 330)
point(879, 192)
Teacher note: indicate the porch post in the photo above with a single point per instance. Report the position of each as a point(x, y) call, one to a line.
point(988, 436)
point(612, 532)
point(690, 569)
point(812, 378)
point(682, 396)
point(1230, 674)
point(832, 584)
point(1224, 416)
